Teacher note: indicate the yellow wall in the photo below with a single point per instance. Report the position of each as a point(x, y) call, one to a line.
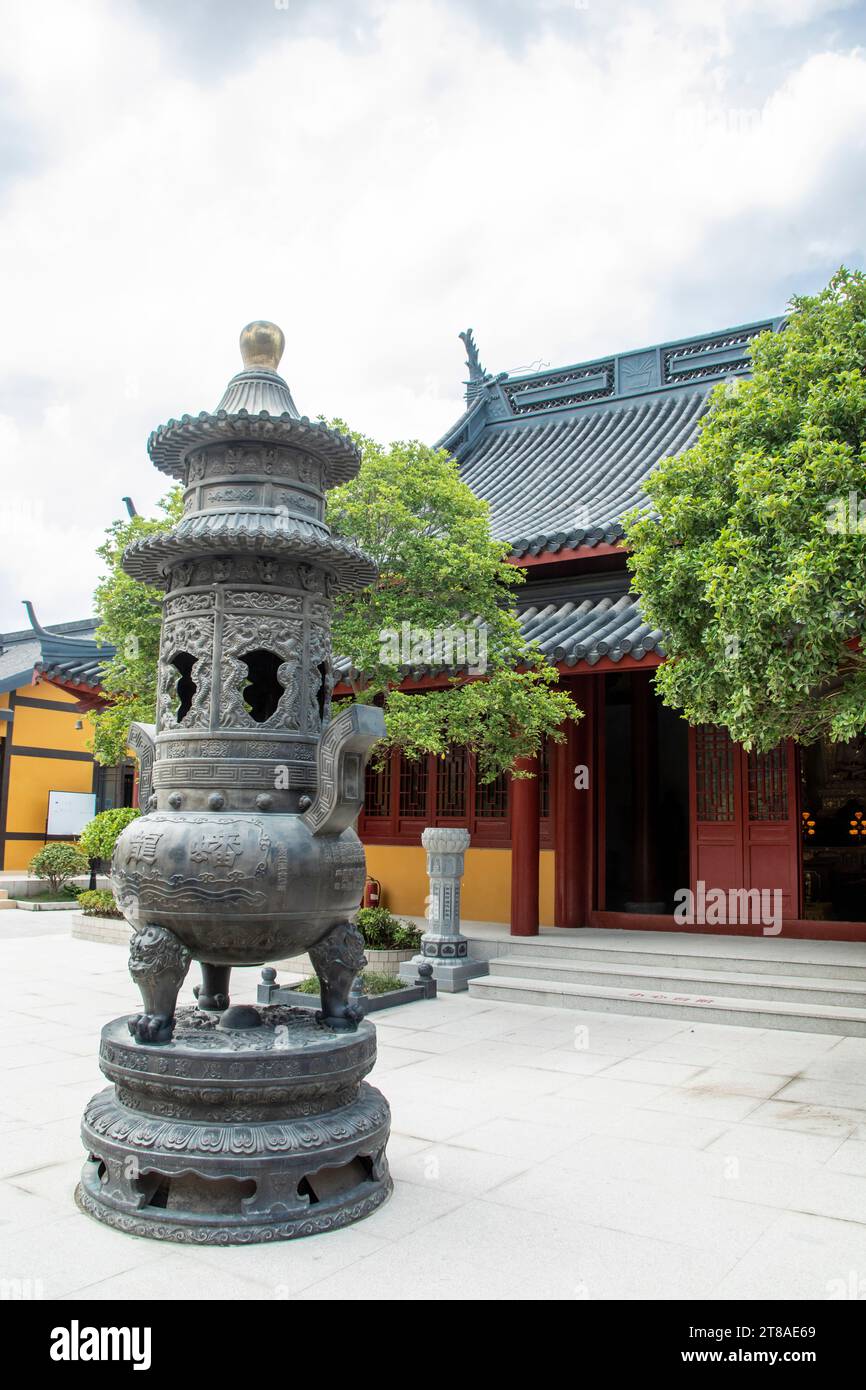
point(31, 779)
point(486, 891)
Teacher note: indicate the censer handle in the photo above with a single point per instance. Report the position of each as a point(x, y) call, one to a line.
point(341, 758)
point(142, 741)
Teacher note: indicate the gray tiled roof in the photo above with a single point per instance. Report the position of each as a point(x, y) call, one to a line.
point(562, 454)
point(564, 483)
point(594, 628)
point(65, 651)
point(573, 631)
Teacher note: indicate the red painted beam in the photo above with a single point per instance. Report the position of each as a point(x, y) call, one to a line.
point(583, 668)
point(88, 697)
point(567, 553)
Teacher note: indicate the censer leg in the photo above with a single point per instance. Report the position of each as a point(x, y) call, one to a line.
point(213, 992)
point(336, 961)
point(158, 962)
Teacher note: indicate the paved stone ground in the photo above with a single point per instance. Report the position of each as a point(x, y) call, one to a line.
point(536, 1154)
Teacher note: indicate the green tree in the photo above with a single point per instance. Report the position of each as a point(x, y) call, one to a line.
point(440, 572)
point(129, 614)
point(752, 559)
point(58, 863)
point(99, 835)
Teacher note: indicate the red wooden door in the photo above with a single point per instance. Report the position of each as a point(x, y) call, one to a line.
point(744, 816)
point(715, 778)
point(771, 848)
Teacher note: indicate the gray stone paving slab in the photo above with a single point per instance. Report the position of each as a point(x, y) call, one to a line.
point(537, 1153)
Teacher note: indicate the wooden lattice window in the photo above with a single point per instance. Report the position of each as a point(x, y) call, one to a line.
point(714, 766)
point(491, 798)
point(413, 786)
point(544, 779)
point(768, 785)
point(451, 784)
point(377, 789)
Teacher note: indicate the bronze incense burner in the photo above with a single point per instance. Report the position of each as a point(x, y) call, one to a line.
point(246, 851)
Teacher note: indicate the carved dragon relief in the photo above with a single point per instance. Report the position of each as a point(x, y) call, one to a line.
point(193, 636)
point(320, 679)
point(241, 635)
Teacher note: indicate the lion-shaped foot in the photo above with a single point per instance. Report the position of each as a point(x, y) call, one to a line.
point(212, 994)
point(152, 1028)
point(211, 1003)
point(337, 960)
point(344, 1020)
point(158, 963)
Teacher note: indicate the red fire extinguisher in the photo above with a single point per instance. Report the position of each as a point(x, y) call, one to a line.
point(372, 893)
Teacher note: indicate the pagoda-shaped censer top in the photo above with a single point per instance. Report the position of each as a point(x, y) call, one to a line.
point(245, 665)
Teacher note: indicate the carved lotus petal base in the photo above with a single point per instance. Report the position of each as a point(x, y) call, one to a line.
point(233, 1138)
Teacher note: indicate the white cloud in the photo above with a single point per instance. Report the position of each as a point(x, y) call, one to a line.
point(593, 188)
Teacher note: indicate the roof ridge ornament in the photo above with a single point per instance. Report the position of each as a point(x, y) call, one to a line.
point(63, 637)
point(477, 374)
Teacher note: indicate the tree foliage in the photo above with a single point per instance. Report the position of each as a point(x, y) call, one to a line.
point(439, 570)
point(129, 614)
point(99, 835)
point(752, 559)
point(58, 862)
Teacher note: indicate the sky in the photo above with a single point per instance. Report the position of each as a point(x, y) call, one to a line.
point(570, 178)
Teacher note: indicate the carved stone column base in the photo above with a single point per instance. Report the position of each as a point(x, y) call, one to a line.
point(452, 967)
point(233, 1136)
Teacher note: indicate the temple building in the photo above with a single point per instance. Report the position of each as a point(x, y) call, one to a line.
point(49, 679)
point(635, 806)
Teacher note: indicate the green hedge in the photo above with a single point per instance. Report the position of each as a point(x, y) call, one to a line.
point(99, 902)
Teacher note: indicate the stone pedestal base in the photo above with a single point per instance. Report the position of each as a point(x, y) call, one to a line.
point(236, 1135)
point(450, 973)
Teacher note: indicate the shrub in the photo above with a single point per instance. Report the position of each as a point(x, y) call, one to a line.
point(382, 931)
point(99, 835)
point(309, 986)
point(58, 862)
point(379, 982)
point(98, 902)
point(375, 982)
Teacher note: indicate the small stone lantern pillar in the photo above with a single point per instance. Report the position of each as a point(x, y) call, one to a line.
point(442, 945)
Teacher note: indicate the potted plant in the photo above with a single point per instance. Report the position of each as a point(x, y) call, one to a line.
point(387, 940)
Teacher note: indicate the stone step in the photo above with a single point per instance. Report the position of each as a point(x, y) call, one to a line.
point(31, 905)
point(725, 1009)
point(793, 988)
point(835, 960)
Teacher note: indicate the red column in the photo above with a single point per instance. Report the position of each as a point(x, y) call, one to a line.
point(524, 850)
point(573, 815)
point(644, 744)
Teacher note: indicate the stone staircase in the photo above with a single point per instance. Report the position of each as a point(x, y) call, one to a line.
point(763, 982)
point(4, 900)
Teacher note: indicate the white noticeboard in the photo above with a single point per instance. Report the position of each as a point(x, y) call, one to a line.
point(69, 812)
